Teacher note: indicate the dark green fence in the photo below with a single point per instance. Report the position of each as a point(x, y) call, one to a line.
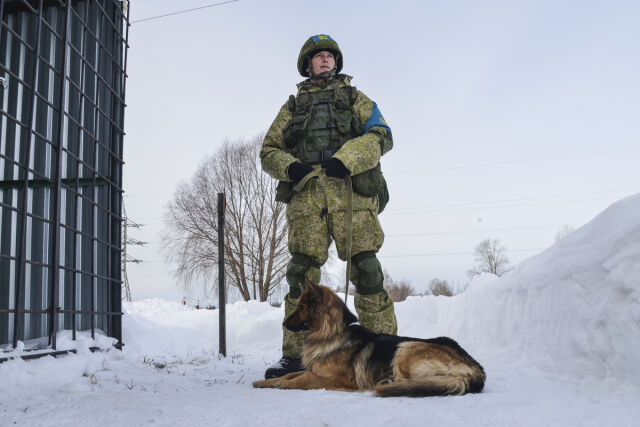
point(62, 87)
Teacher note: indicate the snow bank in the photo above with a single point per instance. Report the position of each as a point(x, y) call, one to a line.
point(153, 327)
point(574, 307)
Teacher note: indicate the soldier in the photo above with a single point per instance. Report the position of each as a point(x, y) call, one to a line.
point(333, 130)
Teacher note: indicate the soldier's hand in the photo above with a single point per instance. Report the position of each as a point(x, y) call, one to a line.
point(336, 168)
point(298, 170)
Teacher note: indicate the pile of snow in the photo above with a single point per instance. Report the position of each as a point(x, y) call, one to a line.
point(574, 308)
point(154, 327)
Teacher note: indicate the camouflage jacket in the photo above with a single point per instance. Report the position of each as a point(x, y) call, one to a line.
point(358, 154)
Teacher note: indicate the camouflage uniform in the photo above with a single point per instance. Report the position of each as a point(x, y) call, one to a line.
point(317, 213)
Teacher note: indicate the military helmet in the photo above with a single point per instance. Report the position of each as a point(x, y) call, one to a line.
point(315, 44)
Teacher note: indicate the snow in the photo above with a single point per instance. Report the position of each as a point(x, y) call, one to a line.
point(559, 337)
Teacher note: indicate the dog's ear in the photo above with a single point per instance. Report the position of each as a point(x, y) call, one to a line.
point(312, 287)
point(309, 285)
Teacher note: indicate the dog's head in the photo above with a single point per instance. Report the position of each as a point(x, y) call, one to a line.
point(319, 308)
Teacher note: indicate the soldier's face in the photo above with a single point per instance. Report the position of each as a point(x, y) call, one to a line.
point(321, 62)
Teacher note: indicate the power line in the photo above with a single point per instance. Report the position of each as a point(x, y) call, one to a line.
point(146, 261)
point(183, 11)
point(447, 233)
point(453, 253)
point(486, 230)
point(410, 255)
point(164, 193)
point(560, 202)
point(510, 162)
point(468, 206)
point(523, 199)
point(457, 204)
point(452, 232)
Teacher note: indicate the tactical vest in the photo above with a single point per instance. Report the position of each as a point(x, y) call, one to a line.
point(322, 121)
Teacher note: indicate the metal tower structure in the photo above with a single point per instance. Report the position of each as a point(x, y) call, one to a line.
point(126, 240)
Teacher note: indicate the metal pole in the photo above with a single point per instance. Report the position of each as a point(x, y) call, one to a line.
point(1, 15)
point(221, 293)
point(115, 298)
point(57, 210)
point(21, 284)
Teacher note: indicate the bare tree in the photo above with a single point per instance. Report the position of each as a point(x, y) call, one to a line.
point(490, 257)
point(440, 287)
point(398, 290)
point(255, 225)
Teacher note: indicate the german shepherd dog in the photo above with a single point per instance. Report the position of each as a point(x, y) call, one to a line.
point(341, 355)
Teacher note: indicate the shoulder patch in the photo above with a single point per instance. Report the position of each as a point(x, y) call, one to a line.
point(376, 120)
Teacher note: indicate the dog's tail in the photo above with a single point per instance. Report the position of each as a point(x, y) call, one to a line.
point(441, 385)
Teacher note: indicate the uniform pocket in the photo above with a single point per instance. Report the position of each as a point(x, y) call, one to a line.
point(284, 192)
point(343, 122)
point(368, 182)
point(371, 183)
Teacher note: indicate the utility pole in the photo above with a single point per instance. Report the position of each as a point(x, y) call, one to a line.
point(126, 240)
point(222, 314)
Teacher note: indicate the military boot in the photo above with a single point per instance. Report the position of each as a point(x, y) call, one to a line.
point(376, 313)
point(291, 347)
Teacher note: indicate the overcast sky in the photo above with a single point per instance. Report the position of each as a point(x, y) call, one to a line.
point(510, 119)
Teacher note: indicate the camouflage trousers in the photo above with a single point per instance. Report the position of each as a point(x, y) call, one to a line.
point(315, 217)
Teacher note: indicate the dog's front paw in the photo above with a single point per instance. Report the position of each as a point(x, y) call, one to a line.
point(270, 383)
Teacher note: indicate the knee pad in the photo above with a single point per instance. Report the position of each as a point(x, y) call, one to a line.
point(366, 273)
point(301, 268)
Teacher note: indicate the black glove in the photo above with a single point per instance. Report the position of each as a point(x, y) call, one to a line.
point(298, 170)
point(336, 168)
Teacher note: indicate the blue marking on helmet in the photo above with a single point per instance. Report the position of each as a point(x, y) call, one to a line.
point(376, 120)
point(321, 37)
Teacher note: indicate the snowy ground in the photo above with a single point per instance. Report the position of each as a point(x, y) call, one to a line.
point(559, 338)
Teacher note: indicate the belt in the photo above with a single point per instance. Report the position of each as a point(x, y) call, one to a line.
point(315, 157)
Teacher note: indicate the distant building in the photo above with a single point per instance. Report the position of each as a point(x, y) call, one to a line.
point(62, 89)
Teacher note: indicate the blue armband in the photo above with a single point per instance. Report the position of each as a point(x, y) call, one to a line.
point(376, 120)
